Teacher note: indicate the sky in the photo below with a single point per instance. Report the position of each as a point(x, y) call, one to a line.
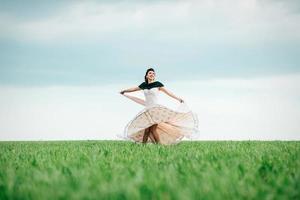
point(63, 63)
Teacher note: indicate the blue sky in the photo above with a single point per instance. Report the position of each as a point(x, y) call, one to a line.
point(69, 47)
point(95, 42)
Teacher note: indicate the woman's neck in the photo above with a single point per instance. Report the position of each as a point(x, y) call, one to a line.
point(151, 81)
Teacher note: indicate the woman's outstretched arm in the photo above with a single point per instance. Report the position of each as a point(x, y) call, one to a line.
point(135, 99)
point(170, 94)
point(133, 89)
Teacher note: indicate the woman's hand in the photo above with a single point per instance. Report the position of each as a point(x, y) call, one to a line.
point(122, 92)
point(181, 100)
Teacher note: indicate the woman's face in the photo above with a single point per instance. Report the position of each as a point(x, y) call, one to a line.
point(151, 75)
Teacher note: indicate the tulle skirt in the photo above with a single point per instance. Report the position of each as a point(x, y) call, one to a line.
point(172, 125)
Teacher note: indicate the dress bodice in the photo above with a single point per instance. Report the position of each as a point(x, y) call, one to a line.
point(151, 92)
point(151, 96)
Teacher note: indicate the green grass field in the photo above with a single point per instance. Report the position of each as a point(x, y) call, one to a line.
point(124, 170)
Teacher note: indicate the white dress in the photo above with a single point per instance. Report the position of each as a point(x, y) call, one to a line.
point(172, 125)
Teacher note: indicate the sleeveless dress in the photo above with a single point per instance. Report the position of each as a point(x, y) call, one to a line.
point(172, 125)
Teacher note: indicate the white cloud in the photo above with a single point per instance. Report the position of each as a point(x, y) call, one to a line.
point(258, 108)
point(254, 108)
point(242, 22)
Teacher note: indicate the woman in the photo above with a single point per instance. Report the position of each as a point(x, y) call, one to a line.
point(156, 122)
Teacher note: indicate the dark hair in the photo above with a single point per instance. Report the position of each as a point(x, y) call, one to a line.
point(150, 69)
